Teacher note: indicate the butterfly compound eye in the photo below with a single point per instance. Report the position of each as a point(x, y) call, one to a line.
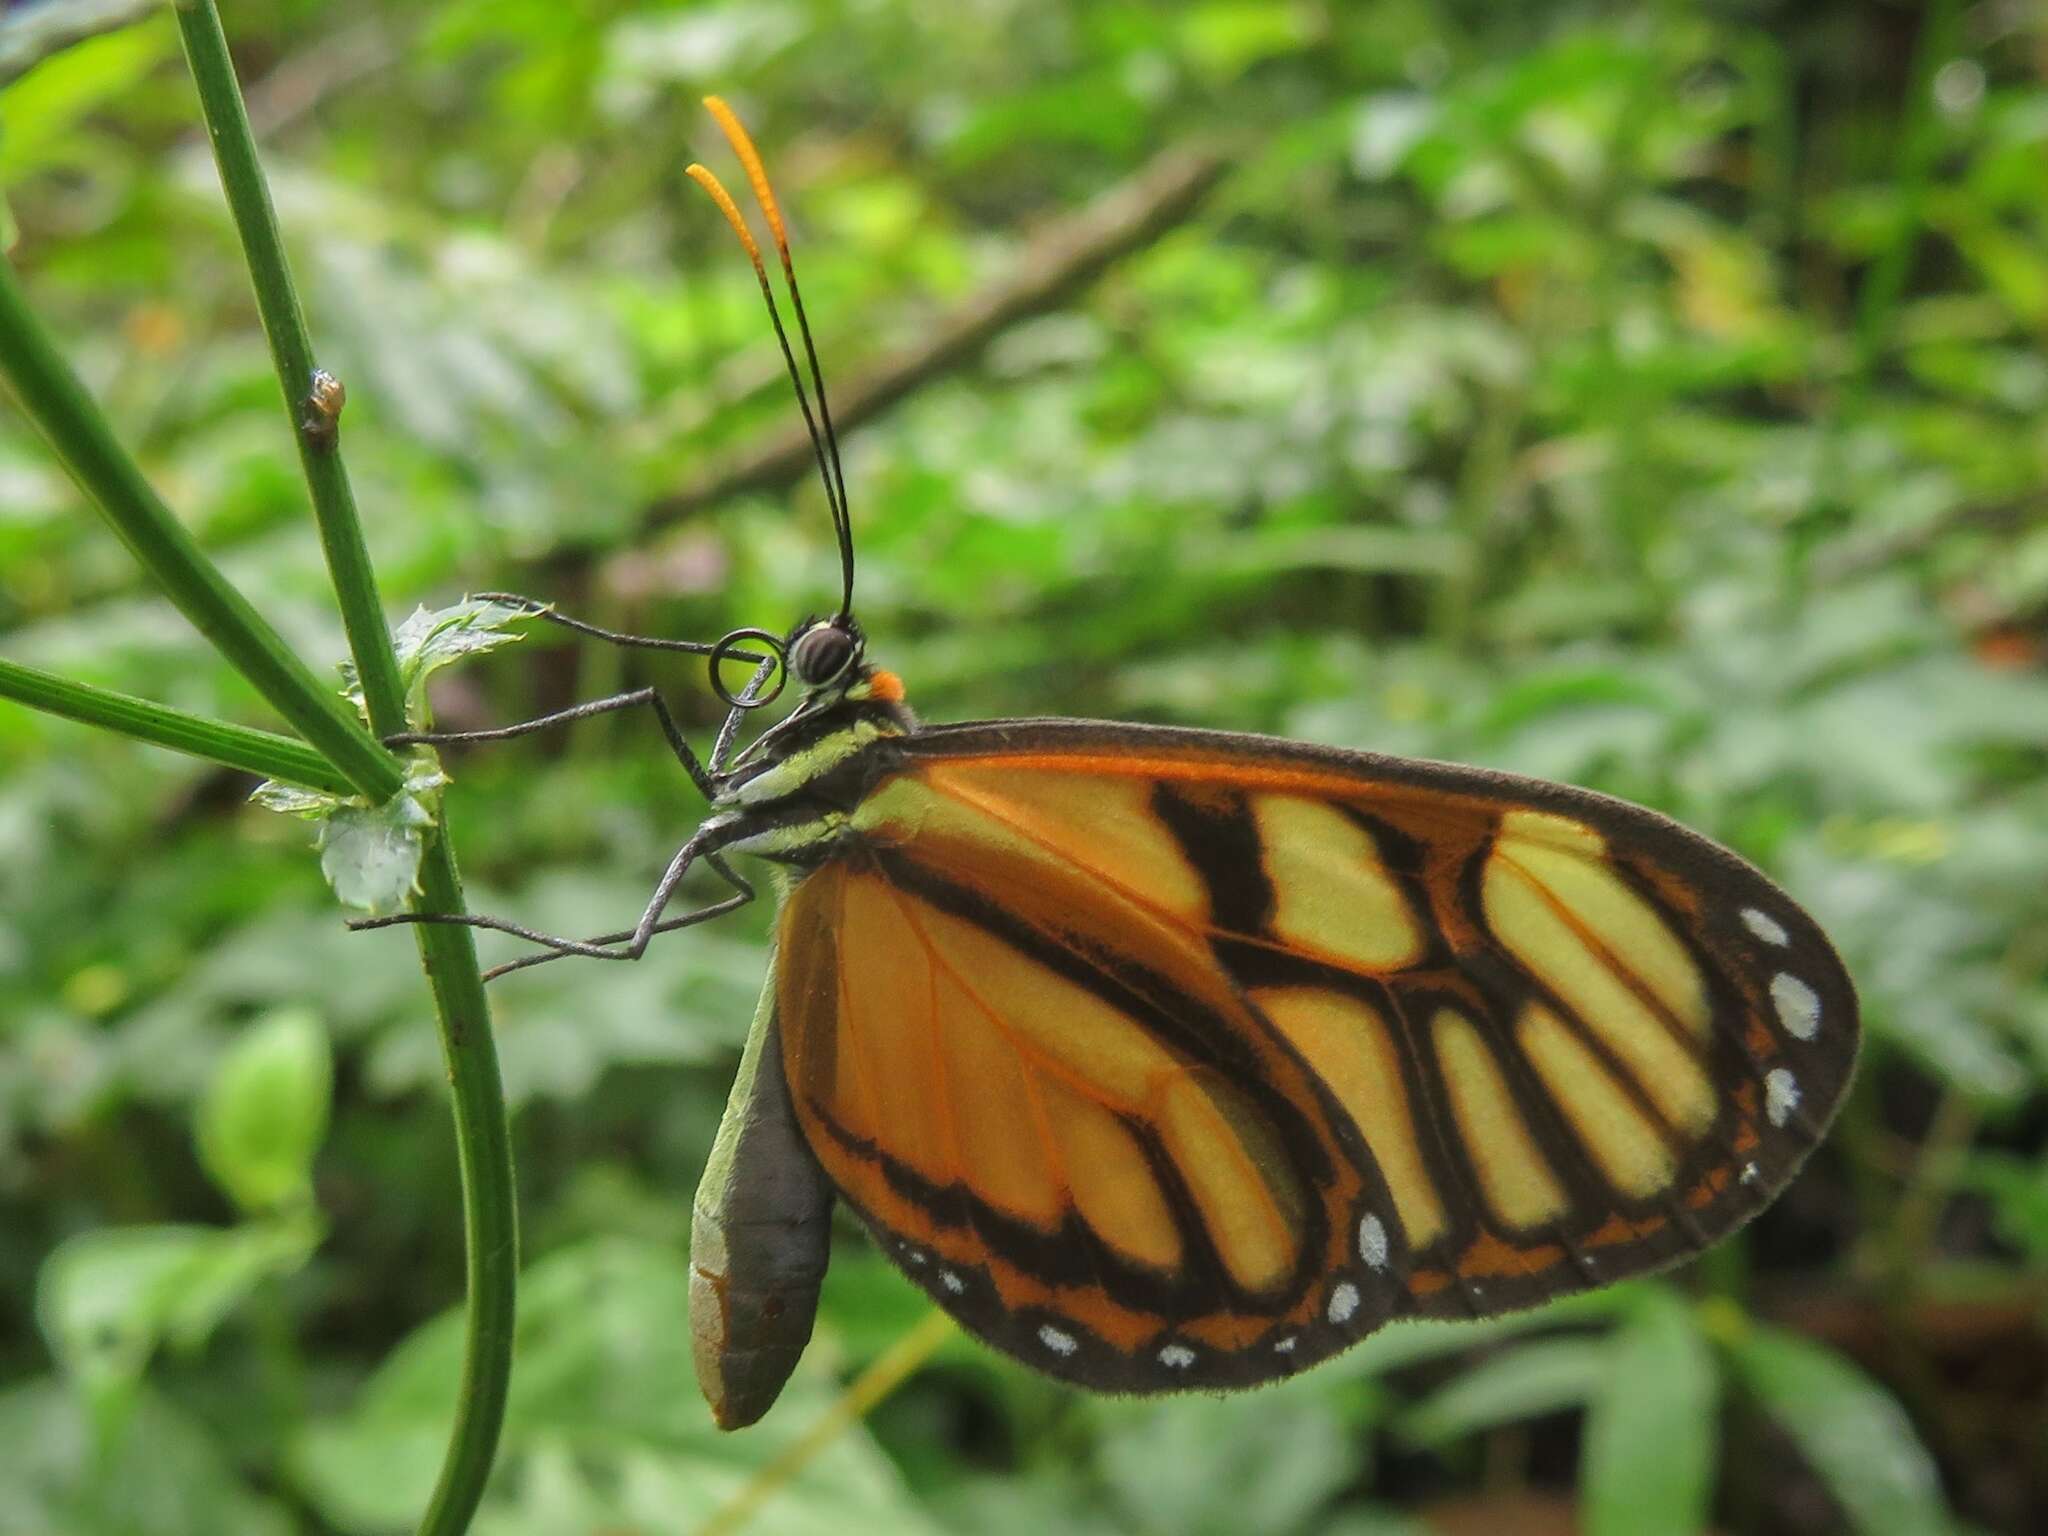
point(820, 654)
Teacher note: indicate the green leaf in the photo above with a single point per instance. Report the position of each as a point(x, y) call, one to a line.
point(107, 1299)
point(438, 637)
point(2018, 1191)
point(1267, 1473)
point(161, 1474)
point(1851, 1431)
point(1412, 1343)
point(604, 1371)
point(1651, 1428)
point(103, 1298)
point(1227, 37)
point(1525, 1382)
point(295, 800)
point(265, 1112)
point(370, 854)
point(48, 106)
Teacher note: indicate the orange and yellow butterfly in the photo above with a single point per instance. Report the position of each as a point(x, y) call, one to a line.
point(1169, 1059)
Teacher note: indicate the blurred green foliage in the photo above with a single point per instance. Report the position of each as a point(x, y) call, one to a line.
point(1649, 396)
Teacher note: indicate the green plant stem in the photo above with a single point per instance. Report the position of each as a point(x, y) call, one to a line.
point(482, 1134)
point(233, 746)
point(53, 398)
point(291, 350)
point(483, 1141)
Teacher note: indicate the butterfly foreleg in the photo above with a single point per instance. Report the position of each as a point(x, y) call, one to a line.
point(631, 700)
point(547, 611)
point(728, 733)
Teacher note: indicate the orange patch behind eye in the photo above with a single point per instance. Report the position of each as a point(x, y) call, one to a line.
point(887, 687)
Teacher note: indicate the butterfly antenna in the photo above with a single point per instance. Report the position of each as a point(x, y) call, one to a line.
point(824, 445)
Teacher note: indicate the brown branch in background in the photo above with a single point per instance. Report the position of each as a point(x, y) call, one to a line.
point(1061, 260)
point(2004, 1319)
point(1058, 262)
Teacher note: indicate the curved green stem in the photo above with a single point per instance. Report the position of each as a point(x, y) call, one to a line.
point(233, 746)
point(483, 1139)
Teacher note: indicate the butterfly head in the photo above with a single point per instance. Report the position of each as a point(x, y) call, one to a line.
point(822, 651)
point(828, 659)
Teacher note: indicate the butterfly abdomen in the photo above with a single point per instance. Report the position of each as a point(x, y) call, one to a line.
point(760, 1236)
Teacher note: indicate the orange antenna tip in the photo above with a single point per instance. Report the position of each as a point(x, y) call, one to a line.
point(825, 442)
point(750, 159)
point(711, 184)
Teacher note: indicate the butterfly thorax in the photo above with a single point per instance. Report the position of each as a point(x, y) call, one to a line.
point(809, 772)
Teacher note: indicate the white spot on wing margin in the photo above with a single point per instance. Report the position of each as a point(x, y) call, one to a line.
point(1372, 1242)
point(1781, 1095)
point(1058, 1342)
point(1178, 1356)
point(1343, 1302)
point(1765, 926)
point(1798, 1005)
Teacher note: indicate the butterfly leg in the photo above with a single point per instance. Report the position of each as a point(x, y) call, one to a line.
point(743, 893)
point(535, 608)
point(605, 947)
point(631, 700)
point(728, 733)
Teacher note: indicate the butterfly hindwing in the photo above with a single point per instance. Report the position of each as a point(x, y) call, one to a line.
point(1167, 1059)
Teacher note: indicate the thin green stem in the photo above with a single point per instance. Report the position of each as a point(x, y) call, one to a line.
point(233, 746)
point(53, 398)
point(482, 1134)
point(483, 1141)
point(291, 350)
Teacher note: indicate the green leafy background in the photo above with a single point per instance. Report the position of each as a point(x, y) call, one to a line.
point(1651, 396)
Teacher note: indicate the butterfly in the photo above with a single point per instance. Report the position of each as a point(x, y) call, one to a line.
point(1170, 1059)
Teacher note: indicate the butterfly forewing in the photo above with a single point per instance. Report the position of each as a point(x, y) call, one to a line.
point(1165, 1059)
